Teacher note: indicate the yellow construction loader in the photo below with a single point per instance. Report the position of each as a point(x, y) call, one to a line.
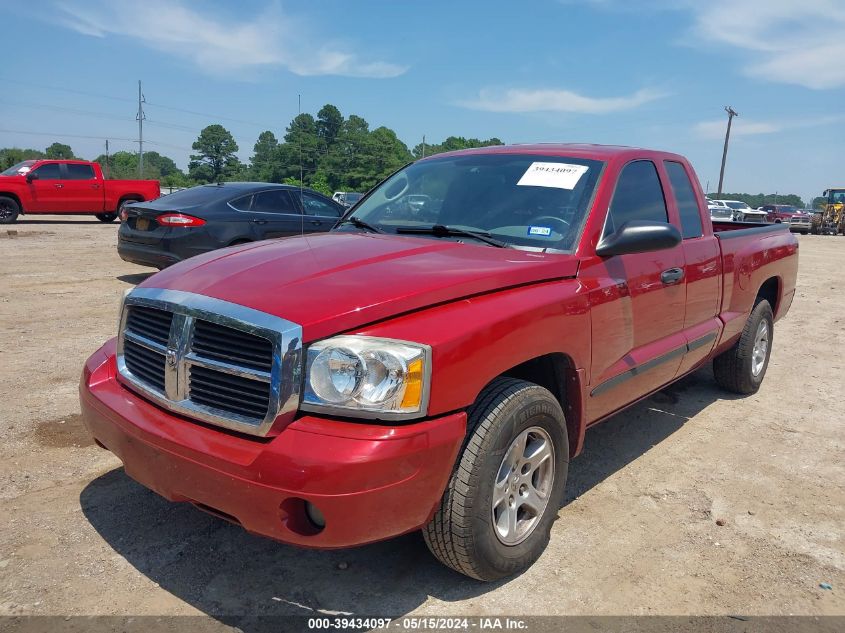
point(831, 220)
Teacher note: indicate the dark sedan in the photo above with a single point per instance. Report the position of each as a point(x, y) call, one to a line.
point(197, 220)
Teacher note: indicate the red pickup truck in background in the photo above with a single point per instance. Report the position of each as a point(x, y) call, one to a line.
point(71, 187)
point(434, 361)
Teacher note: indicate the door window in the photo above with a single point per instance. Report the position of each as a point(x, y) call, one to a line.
point(315, 206)
point(242, 204)
point(80, 172)
point(638, 196)
point(273, 201)
point(50, 171)
point(686, 199)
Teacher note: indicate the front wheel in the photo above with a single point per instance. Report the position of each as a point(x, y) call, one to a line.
point(498, 508)
point(107, 217)
point(741, 369)
point(9, 210)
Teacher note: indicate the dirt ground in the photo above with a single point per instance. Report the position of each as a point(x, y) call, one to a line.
point(640, 532)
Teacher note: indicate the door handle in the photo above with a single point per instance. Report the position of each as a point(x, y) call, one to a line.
point(260, 221)
point(58, 185)
point(672, 276)
point(316, 222)
point(95, 186)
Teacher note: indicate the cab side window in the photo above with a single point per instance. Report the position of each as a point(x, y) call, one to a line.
point(638, 196)
point(316, 206)
point(50, 171)
point(79, 172)
point(686, 199)
point(274, 201)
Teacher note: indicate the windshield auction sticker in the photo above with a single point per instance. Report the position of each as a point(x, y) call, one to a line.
point(557, 175)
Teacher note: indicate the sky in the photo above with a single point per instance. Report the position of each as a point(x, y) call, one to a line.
point(650, 73)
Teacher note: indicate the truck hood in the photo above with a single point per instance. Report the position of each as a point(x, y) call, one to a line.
point(334, 282)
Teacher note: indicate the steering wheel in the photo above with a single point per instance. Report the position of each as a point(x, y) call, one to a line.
point(562, 224)
point(397, 189)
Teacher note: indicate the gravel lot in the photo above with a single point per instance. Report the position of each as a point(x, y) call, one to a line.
point(638, 535)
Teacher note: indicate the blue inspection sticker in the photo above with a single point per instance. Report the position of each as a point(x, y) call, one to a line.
point(539, 230)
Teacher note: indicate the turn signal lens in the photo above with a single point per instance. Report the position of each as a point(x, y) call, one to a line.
point(179, 219)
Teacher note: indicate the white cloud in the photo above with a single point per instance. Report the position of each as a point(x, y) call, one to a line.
point(739, 127)
point(220, 44)
point(555, 100)
point(746, 127)
point(799, 42)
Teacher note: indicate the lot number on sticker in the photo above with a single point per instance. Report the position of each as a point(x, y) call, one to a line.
point(557, 175)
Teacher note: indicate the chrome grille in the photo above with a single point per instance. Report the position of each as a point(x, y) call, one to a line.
point(150, 323)
point(145, 364)
point(226, 392)
point(231, 346)
point(209, 359)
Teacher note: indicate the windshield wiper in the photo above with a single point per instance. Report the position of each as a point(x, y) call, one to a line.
point(361, 224)
point(441, 230)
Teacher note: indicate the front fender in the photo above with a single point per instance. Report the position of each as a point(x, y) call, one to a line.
point(477, 339)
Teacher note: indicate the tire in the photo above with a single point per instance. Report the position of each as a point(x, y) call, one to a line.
point(9, 210)
point(741, 369)
point(462, 534)
point(107, 217)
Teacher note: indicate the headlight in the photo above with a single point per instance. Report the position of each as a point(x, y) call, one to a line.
point(367, 376)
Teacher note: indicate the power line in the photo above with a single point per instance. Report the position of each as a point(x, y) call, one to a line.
point(56, 134)
point(96, 138)
point(69, 90)
point(99, 115)
point(127, 100)
point(211, 116)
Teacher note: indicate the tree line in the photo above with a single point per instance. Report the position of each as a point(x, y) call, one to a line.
point(327, 152)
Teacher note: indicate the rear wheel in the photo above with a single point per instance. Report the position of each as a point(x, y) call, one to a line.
point(9, 210)
point(741, 369)
point(497, 511)
point(107, 217)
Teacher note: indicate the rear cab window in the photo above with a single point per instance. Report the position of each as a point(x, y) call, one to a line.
point(79, 172)
point(686, 199)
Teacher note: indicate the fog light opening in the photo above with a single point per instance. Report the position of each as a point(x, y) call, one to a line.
point(315, 516)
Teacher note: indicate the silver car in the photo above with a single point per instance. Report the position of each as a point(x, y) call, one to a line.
point(719, 211)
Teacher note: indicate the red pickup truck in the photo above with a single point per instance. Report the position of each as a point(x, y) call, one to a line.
point(67, 187)
point(434, 361)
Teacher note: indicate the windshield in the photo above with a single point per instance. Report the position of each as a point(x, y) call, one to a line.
point(737, 205)
point(18, 170)
point(532, 202)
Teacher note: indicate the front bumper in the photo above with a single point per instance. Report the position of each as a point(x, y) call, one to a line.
point(370, 482)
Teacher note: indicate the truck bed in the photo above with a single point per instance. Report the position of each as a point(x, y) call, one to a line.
point(751, 255)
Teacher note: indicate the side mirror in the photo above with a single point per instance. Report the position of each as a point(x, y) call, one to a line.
point(639, 236)
point(31, 175)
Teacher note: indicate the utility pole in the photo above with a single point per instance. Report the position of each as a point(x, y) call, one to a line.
point(140, 117)
point(731, 115)
point(423, 146)
point(108, 168)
